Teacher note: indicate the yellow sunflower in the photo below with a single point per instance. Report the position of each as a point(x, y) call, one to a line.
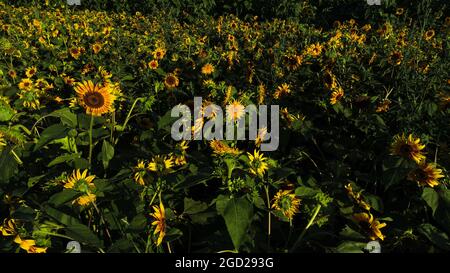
point(96, 47)
point(336, 95)
point(159, 53)
point(26, 84)
point(287, 203)
point(140, 172)
point(160, 222)
point(160, 164)
point(30, 71)
point(235, 110)
point(429, 35)
point(258, 164)
point(12, 74)
point(208, 69)
point(81, 182)
point(282, 90)
point(30, 98)
point(408, 147)
point(426, 175)
point(96, 99)
point(396, 58)
point(314, 50)
point(221, 148)
point(371, 225)
point(357, 197)
point(262, 132)
point(29, 245)
point(8, 228)
point(171, 81)
point(153, 64)
point(329, 80)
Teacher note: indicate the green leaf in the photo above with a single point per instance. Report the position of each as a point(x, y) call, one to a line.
point(193, 207)
point(351, 247)
point(67, 117)
point(74, 228)
point(107, 153)
point(437, 237)
point(53, 132)
point(431, 197)
point(238, 214)
point(63, 197)
point(33, 180)
point(305, 192)
point(8, 165)
point(63, 158)
point(6, 112)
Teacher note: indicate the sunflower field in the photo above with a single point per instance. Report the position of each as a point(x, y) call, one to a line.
point(86, 152)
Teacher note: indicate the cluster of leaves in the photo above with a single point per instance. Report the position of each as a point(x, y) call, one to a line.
point(393, 78)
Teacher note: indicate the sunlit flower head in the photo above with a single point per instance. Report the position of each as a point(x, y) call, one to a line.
point(160, 164)
point(258, 164)
point(221, 148)
point(159, 216)
point(336, 95)
point(408, 147)
point(208, 69)
point(153, 64)
point(357, 197)
point(30, 71)
point(281, 90)
point(171, 81)
point(139, 173)
point(287, 203)
point(96, 99)
point(83, 183)
point(371, 225)
point(8, 228)
point(426, 174)
point(29, 245)
point(235, 110)
point(26, 84)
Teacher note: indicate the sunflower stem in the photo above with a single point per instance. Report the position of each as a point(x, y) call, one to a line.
point(311, 221)
point(269, 217)
point(91, 124)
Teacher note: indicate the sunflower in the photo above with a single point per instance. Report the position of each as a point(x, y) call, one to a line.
point(399, 11)
point(81, 182)
point(29, 245)
point(208, 69)
point(329, 80)
point(357, 197)
point(396, 58)
point(96, 47)
point(26, 84)
point(160, 222)
point(429, 35)
point(159, 53)
point(96, 99)
point(160, 164)
point(68, 80)
point(314, 50)
point(140, 172)
point(153, 64)
point(75, 52)
point(262, 132)
point(370, 225)
point(8, 228)
point(336, 95)
point(286, 202)
point(30, 71)
point(426, 175)
point(235, 110)
point(30, 99)
point(408, 147)
point(282, 90)
point(221, 148)
point(261, 93)
point(258, 164)
point(171, 81)
point(12, 74)
point(383, 106)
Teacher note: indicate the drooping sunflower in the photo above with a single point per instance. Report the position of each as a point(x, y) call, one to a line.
point(258, 164)
point(30, 98)
point(426, 174)
point(286, 202)
point(329, 80)
point(8, 228)
point(96, 99)
point(160, 164)
point(171, 81)
point(139, 173)
point(408, 147)
point(221, 148)
point(371, 225)
point(160, 222)
point(208, 69)
point(29, 245)
point(357, 197)
point(336, 95)
point(81, 182)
